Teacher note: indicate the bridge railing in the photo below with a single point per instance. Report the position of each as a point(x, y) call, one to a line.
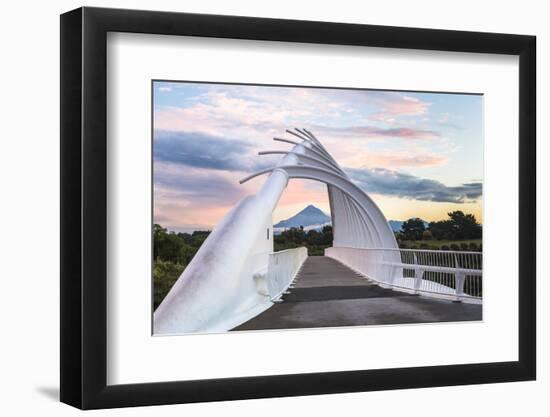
point(282, 269)
point(452, 274)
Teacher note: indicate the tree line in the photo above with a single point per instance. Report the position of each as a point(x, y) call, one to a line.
point(172, 252)
point(315, 240)
point(458, 227)
point(176, 247)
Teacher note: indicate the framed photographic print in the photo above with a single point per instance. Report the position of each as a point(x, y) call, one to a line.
point(259, 207)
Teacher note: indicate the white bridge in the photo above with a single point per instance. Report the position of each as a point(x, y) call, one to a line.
point(236, 276)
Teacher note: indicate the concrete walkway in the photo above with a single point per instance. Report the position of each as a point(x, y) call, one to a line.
point(329, 294)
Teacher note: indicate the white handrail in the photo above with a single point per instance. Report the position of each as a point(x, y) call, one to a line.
point(282, 269)
point(449, 274)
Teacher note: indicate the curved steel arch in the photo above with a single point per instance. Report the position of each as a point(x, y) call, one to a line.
point(305, 145)
point(219, 290)
point(355, 223)
point(309, 159)
point(367, 207)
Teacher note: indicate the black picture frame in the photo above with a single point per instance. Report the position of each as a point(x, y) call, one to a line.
point(84, 207)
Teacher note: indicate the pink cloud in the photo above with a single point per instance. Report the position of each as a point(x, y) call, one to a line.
point(220, 114)
point(395, 160)
point(185, 196)
point(374, 132)
point(177, 208)
point(401, 106)
point(399, 132)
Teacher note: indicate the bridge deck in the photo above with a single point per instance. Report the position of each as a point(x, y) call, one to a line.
point(329, 294)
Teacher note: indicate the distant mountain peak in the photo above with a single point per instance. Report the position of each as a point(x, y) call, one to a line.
point(311, 209)
point(308, 216)
point(313, 216)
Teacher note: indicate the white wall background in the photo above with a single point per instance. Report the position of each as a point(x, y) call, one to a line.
point(29, 180)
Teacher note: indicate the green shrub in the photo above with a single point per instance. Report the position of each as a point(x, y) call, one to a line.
point(165, 274)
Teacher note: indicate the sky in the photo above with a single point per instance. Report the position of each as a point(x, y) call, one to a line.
point(415, 154)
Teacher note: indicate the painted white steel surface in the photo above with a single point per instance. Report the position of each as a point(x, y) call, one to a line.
point(449, 274)
point(217, 291)
point(282, 268)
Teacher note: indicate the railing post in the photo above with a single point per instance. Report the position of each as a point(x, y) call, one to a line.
point(391, 270)
point(460, 278)
point(418, 275)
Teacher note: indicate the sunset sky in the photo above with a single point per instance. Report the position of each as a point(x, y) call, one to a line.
point(415, 154)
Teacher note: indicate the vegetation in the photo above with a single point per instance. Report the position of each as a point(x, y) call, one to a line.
point(460, 232)
point(473, 245)
point(315, 241)
point(459, 226)
point(165, 275)
point(172, 252)
point(413, 229)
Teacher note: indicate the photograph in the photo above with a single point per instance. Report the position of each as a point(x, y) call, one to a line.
point(299, 207)
point(256, 206)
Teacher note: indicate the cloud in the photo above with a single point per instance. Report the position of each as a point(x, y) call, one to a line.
point(255, 112)
point(445, 120)
point(165, 89)
point(198, 185)
point(195, 198)
point(226, 113)
point(399, 106)
point(251, 112)
point(399, 184)
point(206, 151)
point(397, 160)
point(207, 136)
point(372, 131)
